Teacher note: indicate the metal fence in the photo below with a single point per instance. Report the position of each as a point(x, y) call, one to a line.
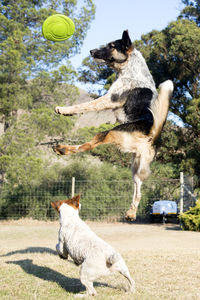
point(100, 200)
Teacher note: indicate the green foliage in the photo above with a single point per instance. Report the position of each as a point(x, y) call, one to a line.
point(26, 17)
point(106, 190)
point(171, 146)
point(26, 54)
point(85, 169)
point(25, 171)
point(191, 11)
point(94, 73)
point(95, 182)
point(25, 83)
point(164, 170)
point(53, 87)
point(173, 54)
point(33, 79)
point(190, 220)
point(193, 116)
point(18, 157)
point(44, 122)
point(20, 151)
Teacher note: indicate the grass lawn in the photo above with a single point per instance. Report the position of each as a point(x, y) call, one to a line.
point(163, 260)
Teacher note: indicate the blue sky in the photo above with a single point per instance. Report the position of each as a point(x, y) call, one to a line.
point(114, 16)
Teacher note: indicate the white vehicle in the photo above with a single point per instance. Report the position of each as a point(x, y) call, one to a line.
point(163, 210)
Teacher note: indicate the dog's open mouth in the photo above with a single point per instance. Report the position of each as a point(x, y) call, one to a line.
point(99, 60)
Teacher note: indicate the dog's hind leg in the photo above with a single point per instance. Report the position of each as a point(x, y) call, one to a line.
point(90, 290)
point(88, 273)
point(92, 268)
point(120, 266)
point(131, 213)
point(88, 283)
point(140, 170)
point(106, 137)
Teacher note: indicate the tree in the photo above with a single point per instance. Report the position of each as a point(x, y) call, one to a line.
point(174, 54)
point(24, 53)
point(191, 11)
point(33, 77)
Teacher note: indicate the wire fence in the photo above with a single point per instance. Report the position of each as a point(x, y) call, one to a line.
point(100, 200)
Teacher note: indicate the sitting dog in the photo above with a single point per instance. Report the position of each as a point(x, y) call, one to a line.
point(96, 257)
point(140, 110)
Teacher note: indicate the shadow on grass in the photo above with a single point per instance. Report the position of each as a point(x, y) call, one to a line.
point(31, 250)
point(72, 285)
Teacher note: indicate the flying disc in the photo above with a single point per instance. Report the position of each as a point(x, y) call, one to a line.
point(58, 28)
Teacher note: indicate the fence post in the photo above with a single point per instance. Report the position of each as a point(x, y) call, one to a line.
point(73, 186)
point(181, 191)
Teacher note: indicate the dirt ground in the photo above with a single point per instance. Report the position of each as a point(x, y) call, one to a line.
point(122, 236)
point(158, 256)
point(147, 237)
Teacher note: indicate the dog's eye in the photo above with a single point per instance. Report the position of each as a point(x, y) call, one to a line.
point(112, 45)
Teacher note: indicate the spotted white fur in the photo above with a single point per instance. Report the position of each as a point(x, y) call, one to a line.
point(96, 257)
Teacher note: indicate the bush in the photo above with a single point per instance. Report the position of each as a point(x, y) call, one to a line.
point(106, 190)
point(190, 220)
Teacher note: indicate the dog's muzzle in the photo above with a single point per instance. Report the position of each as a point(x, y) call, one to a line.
point(96, 54)
point(102, 53)
point(92, 52)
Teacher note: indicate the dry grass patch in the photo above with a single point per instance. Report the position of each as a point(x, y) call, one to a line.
point(164, 263)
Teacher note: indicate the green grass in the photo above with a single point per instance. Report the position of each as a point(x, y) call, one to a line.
point(164, 263)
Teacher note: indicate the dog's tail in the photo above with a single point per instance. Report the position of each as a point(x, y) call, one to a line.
point(159, 108)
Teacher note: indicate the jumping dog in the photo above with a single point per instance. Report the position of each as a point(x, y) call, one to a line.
point(139, 109)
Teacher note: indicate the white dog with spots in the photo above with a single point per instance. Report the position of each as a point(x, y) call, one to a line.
point(96, 257)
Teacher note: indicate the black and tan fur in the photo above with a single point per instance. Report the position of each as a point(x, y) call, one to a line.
point(137, 105)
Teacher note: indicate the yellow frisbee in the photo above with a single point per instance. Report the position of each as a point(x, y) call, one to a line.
point(58, 28)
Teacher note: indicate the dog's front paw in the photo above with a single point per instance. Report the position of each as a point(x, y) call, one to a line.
point(60, 252)
point(63, 111)
point(59, 149)
point(64, 149)
point(57, 109)
point(63, 257)
point(131, 214)
point(87, 294)
point(131, 288)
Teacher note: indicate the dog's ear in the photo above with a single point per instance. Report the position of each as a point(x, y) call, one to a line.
point(126, 39)
point(75, 201)
point(56, 205)
point(53, 204)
